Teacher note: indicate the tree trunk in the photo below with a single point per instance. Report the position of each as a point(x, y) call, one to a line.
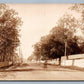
point(4, 57)
point(65, 53)
point(67, 57)
point(60, 60)
point(1, 58)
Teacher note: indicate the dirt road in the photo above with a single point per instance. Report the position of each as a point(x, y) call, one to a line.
point(37, 72)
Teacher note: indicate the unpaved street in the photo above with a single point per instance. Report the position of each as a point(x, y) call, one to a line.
point(37, 72)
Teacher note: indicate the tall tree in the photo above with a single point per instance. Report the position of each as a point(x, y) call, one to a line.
point(61, 40)
point(64, 32)
point(79, 8)
point(9, 32)
point(36, 51)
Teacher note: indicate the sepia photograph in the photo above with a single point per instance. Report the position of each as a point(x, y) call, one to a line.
point(41, 42)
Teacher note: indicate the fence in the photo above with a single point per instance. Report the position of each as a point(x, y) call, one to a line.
point(74, 60)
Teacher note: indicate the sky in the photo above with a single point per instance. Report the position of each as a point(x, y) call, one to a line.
point(38, 20)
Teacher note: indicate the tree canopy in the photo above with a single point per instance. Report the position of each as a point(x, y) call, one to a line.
point(52, 46)
point(9, 32)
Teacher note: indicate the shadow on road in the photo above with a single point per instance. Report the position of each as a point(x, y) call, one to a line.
point(22, 70)
point(39, 67)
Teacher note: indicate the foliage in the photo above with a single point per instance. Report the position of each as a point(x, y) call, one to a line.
point(9, 32)
point(52, 46)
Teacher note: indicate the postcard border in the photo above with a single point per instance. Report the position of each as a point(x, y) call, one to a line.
point(41, 2)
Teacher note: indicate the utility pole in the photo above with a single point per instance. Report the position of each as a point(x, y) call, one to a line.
point(65, 54)
point(65, 41)
point(65, 48)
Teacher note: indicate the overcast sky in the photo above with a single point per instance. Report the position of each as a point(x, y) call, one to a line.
point(38, 20)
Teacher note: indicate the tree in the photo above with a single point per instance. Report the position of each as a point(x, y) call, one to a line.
point(81, 44)
point(52, 46)
point(37, 52)
point(79, 8)
point(65, 29)
point(9, 32)
point(62, 39)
